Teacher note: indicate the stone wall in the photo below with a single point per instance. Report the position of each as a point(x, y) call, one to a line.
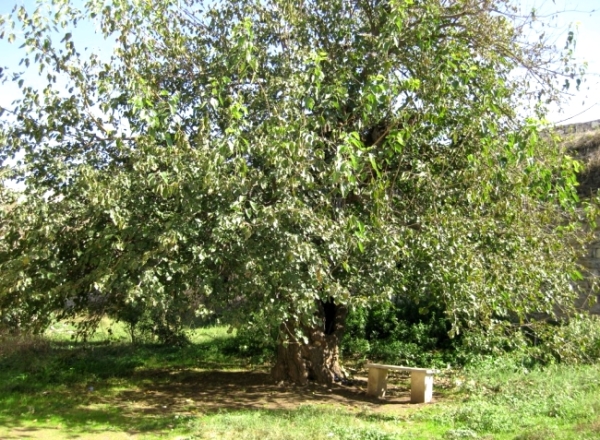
point(589, 296)
point(582, 127)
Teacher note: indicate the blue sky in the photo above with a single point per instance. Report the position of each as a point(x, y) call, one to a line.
point(584, 17)
point(84, 36)
point(581, 15)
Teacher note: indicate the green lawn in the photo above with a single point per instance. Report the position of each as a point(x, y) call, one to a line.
point(55, 388)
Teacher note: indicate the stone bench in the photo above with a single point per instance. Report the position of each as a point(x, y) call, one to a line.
point(421, 381)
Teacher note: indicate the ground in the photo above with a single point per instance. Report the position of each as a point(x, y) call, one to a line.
point(57, 388)
point(183, 394)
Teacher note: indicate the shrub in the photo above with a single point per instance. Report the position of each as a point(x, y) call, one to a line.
point(396, 333)
point(400, 334)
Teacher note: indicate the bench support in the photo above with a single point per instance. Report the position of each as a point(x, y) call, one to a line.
point(421, 387)
point(377, 384)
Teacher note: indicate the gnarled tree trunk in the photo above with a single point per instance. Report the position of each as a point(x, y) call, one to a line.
point(318, 359)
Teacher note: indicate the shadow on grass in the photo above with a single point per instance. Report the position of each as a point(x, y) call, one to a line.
point(155, 388)
point(29, 367)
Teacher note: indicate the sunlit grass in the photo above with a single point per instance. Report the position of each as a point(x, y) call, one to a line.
point(56, 387)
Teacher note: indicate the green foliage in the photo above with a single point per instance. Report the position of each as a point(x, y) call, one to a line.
point(574, 341)
point(259, 348)
point(166, 324)
point(251, 157)
point(398, 334)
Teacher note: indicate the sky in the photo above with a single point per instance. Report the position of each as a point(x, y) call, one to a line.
point(84, 36)
point(583, 16)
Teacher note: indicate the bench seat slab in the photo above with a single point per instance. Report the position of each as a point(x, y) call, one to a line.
point(401, 368)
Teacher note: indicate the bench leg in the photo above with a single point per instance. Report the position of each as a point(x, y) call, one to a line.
point(421, 387)
point(377, 382)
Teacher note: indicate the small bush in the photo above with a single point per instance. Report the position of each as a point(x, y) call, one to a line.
point(249, 344)
point(577, 341)
point(400, 334)
point(23, 345)
point(539, 343)
point(397, 333)
point(358, 347)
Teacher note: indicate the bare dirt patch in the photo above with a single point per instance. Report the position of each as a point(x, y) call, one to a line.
point(152, 400)
point(59, 434)
point(193, 391)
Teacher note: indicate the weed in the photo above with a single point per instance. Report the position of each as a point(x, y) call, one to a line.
point(460, 433)
point(343, 433)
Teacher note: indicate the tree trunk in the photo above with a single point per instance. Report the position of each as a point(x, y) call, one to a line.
point(317, 360)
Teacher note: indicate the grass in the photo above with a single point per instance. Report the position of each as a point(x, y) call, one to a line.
point(501, 400)
point(57, 388)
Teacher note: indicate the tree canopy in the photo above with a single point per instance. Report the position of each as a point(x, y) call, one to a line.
point(269, 157)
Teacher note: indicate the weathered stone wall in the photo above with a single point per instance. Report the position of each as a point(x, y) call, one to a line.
point(589, 295)
point(582, 127)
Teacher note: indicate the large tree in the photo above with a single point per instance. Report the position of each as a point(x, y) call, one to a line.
point(282, 161)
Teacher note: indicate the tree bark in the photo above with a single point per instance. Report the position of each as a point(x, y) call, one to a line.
point(318, 358)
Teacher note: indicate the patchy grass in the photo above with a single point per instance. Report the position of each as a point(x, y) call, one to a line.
point(56, 388)
point(502, 400)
